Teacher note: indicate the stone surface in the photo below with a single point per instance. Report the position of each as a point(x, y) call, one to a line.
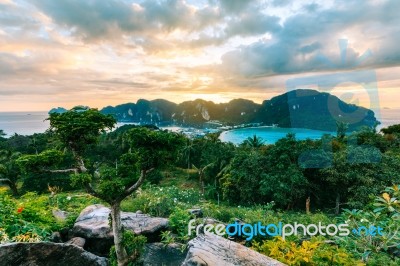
point(60, 215)
point(47, 254)
point(93, 224)
point(210, 249)
point(196, 212)
point(77, 241)
point(156, 254)
point(56, 237)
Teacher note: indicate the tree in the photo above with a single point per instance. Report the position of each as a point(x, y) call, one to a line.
point(341, 129)
point(254, 142)
point(9, 171)
point(115, 179)
point(393, 129)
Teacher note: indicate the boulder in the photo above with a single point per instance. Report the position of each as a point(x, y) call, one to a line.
point(56, 237)
point(93, 224)
point(47, 254)
point(77, 241)
point(156, 254)
point(198, 213)
point(210, 249)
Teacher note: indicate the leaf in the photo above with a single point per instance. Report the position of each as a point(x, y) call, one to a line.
point(386, 196)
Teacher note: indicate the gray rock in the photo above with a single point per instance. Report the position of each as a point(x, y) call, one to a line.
point(157, 254)
point(47, 254)
point(210, 249)
point(196, 212)
point(93, 224)
point(77, 241)
point(56, 237)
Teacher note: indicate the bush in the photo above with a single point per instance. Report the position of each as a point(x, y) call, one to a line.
point(161, 201)
point(313, 252)
point(134, 246)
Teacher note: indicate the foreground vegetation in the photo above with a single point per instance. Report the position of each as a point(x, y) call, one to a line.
point(348, 178)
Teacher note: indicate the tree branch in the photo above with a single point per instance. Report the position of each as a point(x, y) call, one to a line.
point(5, 180)
point(63, 170)
point(138, 183)
point(89, 188)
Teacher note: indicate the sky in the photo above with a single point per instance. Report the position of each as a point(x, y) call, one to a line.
point(99, 53)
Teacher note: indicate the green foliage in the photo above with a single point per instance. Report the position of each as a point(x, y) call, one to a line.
point(79, 179)
point(134, 246)
point(161, 201)
point(178, 221)
point(79, 126)
point(273, 174)
point(313, 252)
point(30, 217)
point(394, 129)
point(380, 259)
point(385, 212)
point(253, 142)
point(167, 238)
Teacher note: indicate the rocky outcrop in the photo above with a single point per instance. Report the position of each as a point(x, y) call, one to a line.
point(47, 254)
point(93, 224)
point(77, 241)
point(156, 254)
point(210, 249)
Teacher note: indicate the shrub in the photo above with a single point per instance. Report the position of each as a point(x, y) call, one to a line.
point(313, 252)
point(161, 201)
point(134, 246)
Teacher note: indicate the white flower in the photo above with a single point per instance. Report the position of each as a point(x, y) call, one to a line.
point(69, 198)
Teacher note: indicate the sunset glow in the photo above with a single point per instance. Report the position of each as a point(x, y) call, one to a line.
point(99, 53)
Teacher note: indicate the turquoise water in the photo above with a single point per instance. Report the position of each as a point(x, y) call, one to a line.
point(27, 123)
point(269, 134)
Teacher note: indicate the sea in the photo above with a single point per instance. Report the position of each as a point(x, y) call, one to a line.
point(28, 123)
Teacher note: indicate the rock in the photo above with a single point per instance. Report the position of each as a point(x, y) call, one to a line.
point(139, 212)
point(196, 212)
point(56, 237)
point(93, 224)
point(60, 215)
point(210, 249)
point(77, 241)
point(47, 254)
point(156, 254)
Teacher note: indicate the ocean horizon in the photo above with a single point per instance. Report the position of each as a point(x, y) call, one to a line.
point(28, 123)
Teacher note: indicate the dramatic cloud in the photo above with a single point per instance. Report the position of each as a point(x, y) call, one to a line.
point(107, 52)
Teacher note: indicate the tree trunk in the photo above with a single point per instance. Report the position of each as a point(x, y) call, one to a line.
point(337, 207)
point(13, 188)
point(11, 185)
point(122, 256)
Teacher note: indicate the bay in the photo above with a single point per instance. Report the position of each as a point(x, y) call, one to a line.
point(28, 123)
point(270, 134)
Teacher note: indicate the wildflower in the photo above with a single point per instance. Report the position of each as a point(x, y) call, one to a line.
point(69, 198)
point(20, 209)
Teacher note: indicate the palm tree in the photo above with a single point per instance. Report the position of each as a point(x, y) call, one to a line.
point(254, 142)
point(187, 151)
point(8, 170)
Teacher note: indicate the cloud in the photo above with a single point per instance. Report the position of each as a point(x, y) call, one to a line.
point(252, 23)
point(308, 42)
point(92, 50)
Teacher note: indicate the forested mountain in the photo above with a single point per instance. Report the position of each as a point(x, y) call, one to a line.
point(298, 108)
